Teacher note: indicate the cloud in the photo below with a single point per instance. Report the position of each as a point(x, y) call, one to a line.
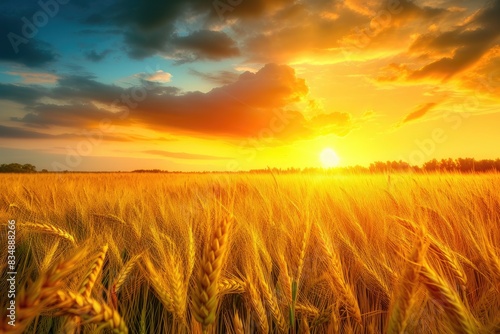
point(219, 78)
point(419, 112)
point(206, 44)
point(95, 56)
point(76, 115)
point(468, 44)
point(238, 109)
point(20, 133)
point(21, 94)
point(183, 155)
point(85, 88)
point(36, 77)
point(253, 104)
point(15, 48)
point(159, 76)
point(285, 31)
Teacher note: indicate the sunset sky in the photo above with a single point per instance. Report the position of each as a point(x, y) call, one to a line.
point(197, 85)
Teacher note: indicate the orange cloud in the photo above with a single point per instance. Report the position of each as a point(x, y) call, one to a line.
point(36, 77)
point(159, 76)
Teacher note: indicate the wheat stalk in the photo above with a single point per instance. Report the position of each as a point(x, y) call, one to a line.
point(48, 228)
point(110, 217)
point(400, 309)
point(253, 299)
point(284, 278)
point(205, 296)
point(237, 324)
point(177, 286)
point(494, 262)
point(325, 316)
point(272, 305)
point(191, 254)
point(71, 324)
point(460, 320)
point(157, 282)
point(120, 280)
point(92, 311)
point(299, 260)
point(444, 253)
point(124, 273)
point(32, 300)
point(304, 326)
point(337, 278)
point(49, 256)
point(95, 269)
point(230, 286)
point(307, 310)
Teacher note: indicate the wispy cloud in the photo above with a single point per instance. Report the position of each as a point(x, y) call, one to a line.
point(36, 77)
point(418, 113)
point(184, 155)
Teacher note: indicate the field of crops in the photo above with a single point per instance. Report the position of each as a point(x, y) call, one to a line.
point(217, 253)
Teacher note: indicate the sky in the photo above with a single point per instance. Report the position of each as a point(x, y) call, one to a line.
point(229, 85)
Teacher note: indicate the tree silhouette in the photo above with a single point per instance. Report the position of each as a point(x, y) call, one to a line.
point(17, 168)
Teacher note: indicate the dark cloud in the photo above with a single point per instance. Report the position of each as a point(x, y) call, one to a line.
point(264, 31)
point(75, 115)
point(95, 56)
point(16, 48)
point(148, 15)
point(140, 44)
point(207, 44)
point(85, 88)
point(183, 155)
point(410, 11)
point(199, 45)
point(151, 27)
point(419, 112)
point(20, 133)
point(468, 43)
point(21, 94)
point(219, 78)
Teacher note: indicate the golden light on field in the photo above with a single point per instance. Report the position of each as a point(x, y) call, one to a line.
point(329, 158)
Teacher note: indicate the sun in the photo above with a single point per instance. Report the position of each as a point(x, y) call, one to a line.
point(329, 158)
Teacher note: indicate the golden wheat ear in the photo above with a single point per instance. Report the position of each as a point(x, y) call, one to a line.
point(50, 229)
point(238, 324)
point(88, 309)
point(72, 324)
point(95, 269)
point(254, 299)
point(33, 299)
point(206, 293)
point(404, 297)
point(336, 274)
point(121, 278)
point(459, 318)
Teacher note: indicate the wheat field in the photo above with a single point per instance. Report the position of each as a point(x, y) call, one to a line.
point(242, 253)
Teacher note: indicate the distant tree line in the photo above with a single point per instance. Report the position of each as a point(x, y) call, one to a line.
point(17, 168)
point(149, 171)
point(460, 165)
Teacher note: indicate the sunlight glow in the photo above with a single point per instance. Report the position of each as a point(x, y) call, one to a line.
point(329, 158)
